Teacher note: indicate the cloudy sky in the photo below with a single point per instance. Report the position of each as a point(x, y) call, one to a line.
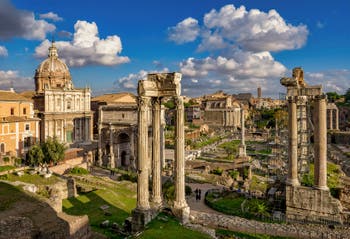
point(234, 46)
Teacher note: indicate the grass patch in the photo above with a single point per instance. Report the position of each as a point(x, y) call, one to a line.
point(169, 228)
point(232, 203)
point(6, 168)
point(33, 179)
point(229, 234)
point(79, 171)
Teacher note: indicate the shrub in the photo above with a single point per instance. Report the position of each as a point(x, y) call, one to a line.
point(79, 170)
point(188, 190)
point(129, 177)
point(6, 159)
point(217, 171)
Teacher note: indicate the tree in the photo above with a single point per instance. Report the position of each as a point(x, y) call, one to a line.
point(347, 95)
point(35, 155)
point(53, 151)
point(332, 96)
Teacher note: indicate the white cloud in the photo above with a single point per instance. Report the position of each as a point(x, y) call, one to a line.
point(129, 82)
point(12, 78)
point(185, 31)
point(240, 73)
point(51, 16)
point(3, 51)
point(86, 48)
point(331, 80)
point(21, 23)
point(252, 30)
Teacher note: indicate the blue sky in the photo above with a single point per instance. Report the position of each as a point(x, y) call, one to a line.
point(234, 46)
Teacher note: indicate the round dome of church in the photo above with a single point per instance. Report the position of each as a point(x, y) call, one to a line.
point(52, 73)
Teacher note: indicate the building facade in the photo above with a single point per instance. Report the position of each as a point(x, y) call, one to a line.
point(19, 129)
point(63, 109)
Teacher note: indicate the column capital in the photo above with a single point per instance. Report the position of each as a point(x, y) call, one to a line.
point(143, 102)
point(179, 102)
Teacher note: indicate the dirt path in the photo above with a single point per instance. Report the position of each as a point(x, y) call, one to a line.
point(200, 205)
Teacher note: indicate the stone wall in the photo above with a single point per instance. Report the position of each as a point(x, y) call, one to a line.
point(306, 203)
point(71, 163)
point(238, 224)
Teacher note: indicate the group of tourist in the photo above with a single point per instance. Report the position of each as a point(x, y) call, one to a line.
point(198, 194)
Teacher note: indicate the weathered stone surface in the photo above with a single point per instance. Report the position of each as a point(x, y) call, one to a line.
point(238, 224)
point(9, 228)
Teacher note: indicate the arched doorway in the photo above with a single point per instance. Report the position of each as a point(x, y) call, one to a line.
point(124, 149)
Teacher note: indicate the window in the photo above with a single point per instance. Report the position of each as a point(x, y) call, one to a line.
point(24, 111)
point(27, 127)
point(12, 111)
point(123, 116)
point(68, 105)
point(2, 148)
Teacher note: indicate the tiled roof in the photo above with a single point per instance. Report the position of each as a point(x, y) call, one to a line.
point(11, 96)
point(124, 97)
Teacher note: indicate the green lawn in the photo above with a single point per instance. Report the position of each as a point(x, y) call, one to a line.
point(7, 167)
point(169, 229)
point(27, 178)
point(121, 199)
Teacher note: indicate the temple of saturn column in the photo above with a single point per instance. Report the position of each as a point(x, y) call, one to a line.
point(307, 110)
point(150, 93)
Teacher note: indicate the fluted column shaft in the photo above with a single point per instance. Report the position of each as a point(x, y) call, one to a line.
point(292, 178)
point(180, 201)
point(99, 162)
point(111, 147)
point(320, 146)
point(156, 169)
point(142, 146)
point(331, 119)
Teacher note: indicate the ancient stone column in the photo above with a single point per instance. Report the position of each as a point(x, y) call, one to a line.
point(99, 162)
point(336, 119)
point(320, 145)
point(111, 147)
point(156, 164)
point(242, 147)
point(292, 178)
point(142, 179)
point(331, 119)
point(180, 201)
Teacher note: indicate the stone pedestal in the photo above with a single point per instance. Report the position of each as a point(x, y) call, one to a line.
point(182, 213)
point(140, 218)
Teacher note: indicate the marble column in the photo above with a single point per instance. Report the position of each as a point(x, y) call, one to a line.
point(242, 147)
point(142, 179)
point(320, 145)
point(331, 119)
point(156, 164)
point(111, 147)
point(99, 162)
point(292, 178)
point(336, 119)
point(180, 201)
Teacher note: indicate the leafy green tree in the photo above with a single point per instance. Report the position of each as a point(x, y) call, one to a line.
point(35, 155)
point(332, 96)
point(53, 150)
point(347, 95)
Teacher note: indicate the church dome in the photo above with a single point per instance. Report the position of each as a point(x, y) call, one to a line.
point(52, 73)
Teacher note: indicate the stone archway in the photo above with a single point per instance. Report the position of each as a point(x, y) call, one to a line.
point(123, 149)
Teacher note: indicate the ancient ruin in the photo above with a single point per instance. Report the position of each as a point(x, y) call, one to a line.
point(307, 110)
point(150, 93)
